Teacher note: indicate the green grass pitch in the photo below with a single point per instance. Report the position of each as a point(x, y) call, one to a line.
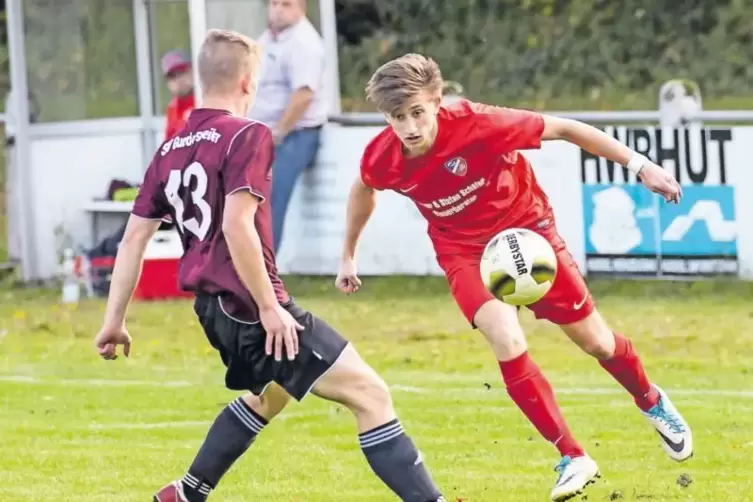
point(76, 428)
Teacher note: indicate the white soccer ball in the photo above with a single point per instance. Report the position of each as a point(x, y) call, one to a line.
point(518, 266)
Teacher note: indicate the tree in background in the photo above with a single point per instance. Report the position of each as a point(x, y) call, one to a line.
point(588, 54)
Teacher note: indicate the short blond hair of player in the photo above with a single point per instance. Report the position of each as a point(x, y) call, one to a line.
point(463, 167)
point(228, 65)
point(212, 179)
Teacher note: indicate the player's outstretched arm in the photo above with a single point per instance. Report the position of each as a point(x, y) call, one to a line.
point(361, 204)
point(127, 270)
point(245, 247)
point(244, 244)
point(125, 275)
point(599, 143)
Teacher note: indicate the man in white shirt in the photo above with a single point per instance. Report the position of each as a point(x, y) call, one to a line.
point(291, 99)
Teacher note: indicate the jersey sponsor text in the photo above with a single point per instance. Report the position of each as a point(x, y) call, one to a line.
point(188, 140)
point(458, 201)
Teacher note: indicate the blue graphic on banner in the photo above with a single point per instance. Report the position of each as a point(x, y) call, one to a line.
point(630, 230)
point(702, 224)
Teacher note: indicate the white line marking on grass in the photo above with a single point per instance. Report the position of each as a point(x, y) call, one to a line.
point(677, 392)
point(159, 425)
point(18, 379)
point(94, 382)
point(585, 391)
point(195, 423)
point(408, 388)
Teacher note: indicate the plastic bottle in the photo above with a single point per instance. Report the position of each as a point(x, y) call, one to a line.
point(71, 286)
point(86, 274)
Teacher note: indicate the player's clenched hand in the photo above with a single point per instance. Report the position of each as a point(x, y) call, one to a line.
point(282, 332)
point(347, 277)
point(108, 339)
point(660, 181)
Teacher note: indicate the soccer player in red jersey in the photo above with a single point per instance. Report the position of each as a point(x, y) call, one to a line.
point(212, 179)
point(462, 167)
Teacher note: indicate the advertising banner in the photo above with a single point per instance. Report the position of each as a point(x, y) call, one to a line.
point(629, 230)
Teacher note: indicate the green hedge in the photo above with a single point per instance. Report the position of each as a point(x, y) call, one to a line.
point(550, 54)
point(563, 54)
point(81, 55)
point(81, 58)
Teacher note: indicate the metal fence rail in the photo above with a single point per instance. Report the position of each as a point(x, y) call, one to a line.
point(593, 117)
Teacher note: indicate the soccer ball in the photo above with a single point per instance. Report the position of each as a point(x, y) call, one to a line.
point(518, 266)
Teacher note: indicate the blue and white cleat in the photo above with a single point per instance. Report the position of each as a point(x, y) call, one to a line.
point(674, 431)
point(575, 474)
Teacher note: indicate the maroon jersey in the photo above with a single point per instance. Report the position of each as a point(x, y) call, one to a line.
point(214, 155)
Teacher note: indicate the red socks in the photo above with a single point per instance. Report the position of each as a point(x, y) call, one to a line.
point(530, 390)
point(625, 366)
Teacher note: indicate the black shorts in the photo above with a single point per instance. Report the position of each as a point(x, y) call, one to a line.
point(242, 348)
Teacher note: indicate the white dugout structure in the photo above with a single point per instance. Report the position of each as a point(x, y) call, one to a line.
point(60, 165)
point(64, 164)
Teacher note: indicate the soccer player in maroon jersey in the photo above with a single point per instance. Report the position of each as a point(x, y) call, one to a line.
point(461, 166)
point(213, 179)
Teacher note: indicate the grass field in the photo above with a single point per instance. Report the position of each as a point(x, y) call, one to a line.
point(75, 428)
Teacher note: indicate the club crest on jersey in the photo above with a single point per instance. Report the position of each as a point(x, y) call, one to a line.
point(457, 166)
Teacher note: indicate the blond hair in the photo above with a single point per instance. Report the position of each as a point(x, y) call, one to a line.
point(402, 79)
point(225, 57)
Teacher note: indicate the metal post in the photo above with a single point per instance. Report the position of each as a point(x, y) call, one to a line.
point(144, 71)
point(197, 15)
point(328, 26)
point(20, 103)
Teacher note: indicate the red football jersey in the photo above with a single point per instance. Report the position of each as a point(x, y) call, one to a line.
point(473, 182)
point(178, 110)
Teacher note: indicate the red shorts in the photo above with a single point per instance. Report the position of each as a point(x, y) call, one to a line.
point(568, 300)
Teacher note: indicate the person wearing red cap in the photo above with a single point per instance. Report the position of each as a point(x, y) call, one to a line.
point(176, 67)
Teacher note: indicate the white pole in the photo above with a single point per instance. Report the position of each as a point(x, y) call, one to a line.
point(144, 73)
point(328, 26)
point(197, 14)
point(20, 103)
